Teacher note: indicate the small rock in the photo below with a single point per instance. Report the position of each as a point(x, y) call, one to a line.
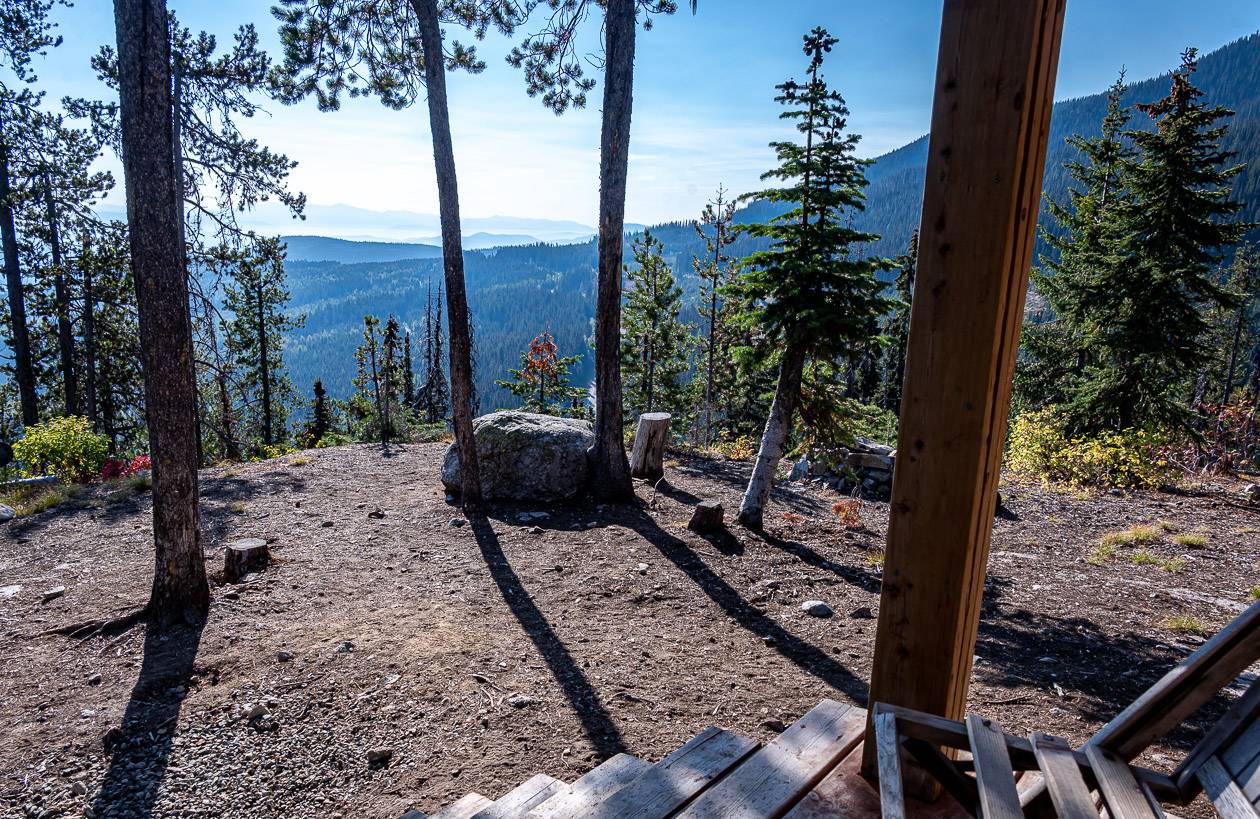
point(111, 739)
point(775, 725)
point(1251, 493)
point(231, 594)
point(379, 756)
point(257, 712)
point(642, 568)
point(284, 656)
point(9, 591)
point(527, 516)
point(801, 470)
point(345, 647)
point(520, 701)
point(535, 530)
point(862, 613)
point(457, 522)
point(376, 514)
point(54, 593)
point(768, 640)
point(1115, 493)
point(95, 679)
point(816, 608)
point(7, 513)
point(78, 789)
point(327, 524)
point(87, 713)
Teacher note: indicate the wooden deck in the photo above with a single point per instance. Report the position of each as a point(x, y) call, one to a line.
point(811, 770)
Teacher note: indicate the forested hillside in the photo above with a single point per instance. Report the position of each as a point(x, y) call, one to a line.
point(517, 292)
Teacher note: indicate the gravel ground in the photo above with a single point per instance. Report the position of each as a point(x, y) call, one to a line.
point(388, 659)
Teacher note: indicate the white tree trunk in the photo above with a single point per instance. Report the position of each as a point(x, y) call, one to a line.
point(650, 437)
point(774, 440)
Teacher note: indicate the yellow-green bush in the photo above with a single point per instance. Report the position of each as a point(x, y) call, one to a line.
point(1128, 459)
point(66, 447)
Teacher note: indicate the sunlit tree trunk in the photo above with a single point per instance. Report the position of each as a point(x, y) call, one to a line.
point(787, 394)
point(23, 368)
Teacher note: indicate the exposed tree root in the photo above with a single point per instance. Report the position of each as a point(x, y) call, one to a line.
point(108, 625)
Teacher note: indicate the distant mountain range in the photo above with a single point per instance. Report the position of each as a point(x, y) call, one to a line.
point(516, 292)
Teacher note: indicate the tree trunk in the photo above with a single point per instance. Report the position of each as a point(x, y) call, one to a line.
point(264, 365)
point(647, 457)
point(610, 470)
point(774, 440)
point(22, 366)
point(89, 339)
point(376, 387)
point(61, 295)
point(180, 591)
point(460, 347)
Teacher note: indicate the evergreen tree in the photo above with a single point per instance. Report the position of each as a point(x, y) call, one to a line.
point(809, 293)
point(256, 297)
point(542, 382)
point(437, 401)
point(409, 374)
point(718, 230)
point(896, 327)
point(655, 343)
point(392, 379)
point(321, 416)
point(369, 399)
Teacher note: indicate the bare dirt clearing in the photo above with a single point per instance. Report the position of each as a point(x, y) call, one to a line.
point(537, 639)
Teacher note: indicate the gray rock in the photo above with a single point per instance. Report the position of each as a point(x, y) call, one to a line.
point(862, 613)
point(520, 701)
point(1251, 493)
point(78, 789)
point(457, 522)
point(527, 457)
point(379, 756)
point(870, 446)
point(257, 712)
point(816, 608)
point(284, 656)
point(345, 647)
point(54, 593)
point(95, 679)
point(800, 471)
point(642, 568)
point(7, 513)
point(9, 591)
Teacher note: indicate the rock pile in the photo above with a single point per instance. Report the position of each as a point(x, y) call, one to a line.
point(866, 466)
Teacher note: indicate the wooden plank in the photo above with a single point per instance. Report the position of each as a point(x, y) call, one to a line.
point(464, 807)
point(892, 801)
point(1240, 753)
point(1236, 720)
point(1068, 791)
point(593, 787)
point(1184, 689)
point(522, 799)
point(953, 734)
point(677, 778)
point(1125, 798)
point(999, 798)
point(778, 775)
point(1225, 794)
point(986, 154)
point(943, 770)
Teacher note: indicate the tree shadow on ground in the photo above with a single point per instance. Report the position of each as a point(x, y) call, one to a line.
point(809, 657)
point(866, 579)
point(140, 748)
point(597, 723)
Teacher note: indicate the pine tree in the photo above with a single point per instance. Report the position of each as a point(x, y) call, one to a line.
point(1142, 315)
point(655, 343)
point(809, 293)
point(392, 380)
point(256, 296)
point(321, 416)
point(437, 395)
point(542, 382)
point(896, 327)
point(409, 374)
point(369, 395)
point(718, 230)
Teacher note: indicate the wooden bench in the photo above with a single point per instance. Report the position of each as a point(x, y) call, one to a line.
point(985, 779)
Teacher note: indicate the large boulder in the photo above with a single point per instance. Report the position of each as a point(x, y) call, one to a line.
point(527, 457)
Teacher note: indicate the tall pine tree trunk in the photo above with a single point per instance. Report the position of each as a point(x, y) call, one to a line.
point(787, 395)
point(23, 368)
point(460, 347)
point(264, 365)
point(89, 340)
point(610, 469)
point(61, 295)
point(180, 591)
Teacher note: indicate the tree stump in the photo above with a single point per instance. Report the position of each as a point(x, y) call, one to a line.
point(244, 556)
point(649, 445)
point(707, 518)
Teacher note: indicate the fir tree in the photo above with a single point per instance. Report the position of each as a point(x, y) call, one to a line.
point(257, 297)
point(320, 423)
point(896, 327)
point(809, 293)
point(655, 343)
point(542, 382)
point(409, 374)
point(436, 395)
point(718, 230)
point(368, 401)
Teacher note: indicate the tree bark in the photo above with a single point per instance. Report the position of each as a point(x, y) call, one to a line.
point(23, 368)
point(610, 469)
point(648, 456)
point(180, 591)
point(460, 347)
point(264, 364)
point(61, 295)
point(89, 339)
point(787, 394)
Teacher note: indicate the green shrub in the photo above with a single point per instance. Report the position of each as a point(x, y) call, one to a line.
point(66, 447)
point(1128, 459)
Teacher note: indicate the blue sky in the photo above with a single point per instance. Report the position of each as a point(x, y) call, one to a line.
point(703, 109)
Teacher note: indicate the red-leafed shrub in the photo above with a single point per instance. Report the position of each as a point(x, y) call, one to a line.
point(113, 468)
point(140, 463)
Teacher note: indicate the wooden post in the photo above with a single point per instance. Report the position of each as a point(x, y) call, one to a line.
point(650, 437)
point(990, 121)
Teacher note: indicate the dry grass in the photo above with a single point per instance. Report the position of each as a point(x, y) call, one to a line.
point(1101, 554)
point(849, 511)
point(1133, 536)
point(36, 499)
point(1191, 540)
point(1186, 624)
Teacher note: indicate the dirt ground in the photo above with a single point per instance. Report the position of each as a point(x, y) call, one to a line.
point(479, 654)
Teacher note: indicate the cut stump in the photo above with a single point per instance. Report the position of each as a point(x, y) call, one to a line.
point(707, 518)
point(650, 437)
point(244, 556)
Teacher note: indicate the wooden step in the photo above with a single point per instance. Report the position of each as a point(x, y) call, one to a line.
point(677, 778)
point(463, 808)
point(781, 773)
point(592, 788)
point(522, 799)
